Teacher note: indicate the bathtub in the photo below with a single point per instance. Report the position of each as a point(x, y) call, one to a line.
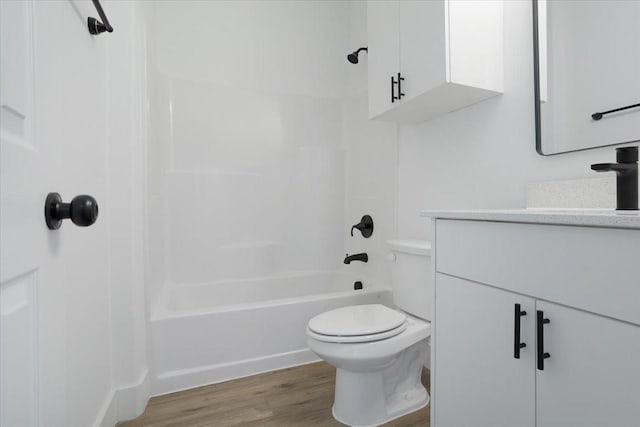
point(211, 332)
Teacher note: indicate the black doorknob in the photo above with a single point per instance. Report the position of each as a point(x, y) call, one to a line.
point(83, 210)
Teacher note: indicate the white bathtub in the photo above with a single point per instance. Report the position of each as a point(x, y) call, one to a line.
point(212, 332)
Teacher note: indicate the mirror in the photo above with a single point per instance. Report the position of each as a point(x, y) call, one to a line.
point(587, 74)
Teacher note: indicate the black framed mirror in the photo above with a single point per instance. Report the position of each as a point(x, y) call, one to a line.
point(586, 74)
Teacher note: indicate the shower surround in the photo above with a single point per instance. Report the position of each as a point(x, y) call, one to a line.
point(247, 170)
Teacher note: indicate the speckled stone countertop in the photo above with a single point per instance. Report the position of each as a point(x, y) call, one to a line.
point(579, 217)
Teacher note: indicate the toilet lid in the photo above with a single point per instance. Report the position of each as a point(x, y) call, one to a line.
point(357, 320)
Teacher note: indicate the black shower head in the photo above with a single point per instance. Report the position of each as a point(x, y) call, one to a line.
point(353, 57)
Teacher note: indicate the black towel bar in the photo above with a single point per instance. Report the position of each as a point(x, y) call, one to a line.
point(598, 116)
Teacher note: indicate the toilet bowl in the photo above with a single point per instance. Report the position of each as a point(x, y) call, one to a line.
point(379, 351)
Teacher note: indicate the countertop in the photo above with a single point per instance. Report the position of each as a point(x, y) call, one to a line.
point(577, 217)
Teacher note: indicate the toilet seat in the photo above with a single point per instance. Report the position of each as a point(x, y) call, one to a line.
point(357, 338)
point(357, 324)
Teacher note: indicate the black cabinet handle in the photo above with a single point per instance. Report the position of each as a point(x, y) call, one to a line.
point(541, 321)
point(517, 345)
point(400, 80)
point(393, 89)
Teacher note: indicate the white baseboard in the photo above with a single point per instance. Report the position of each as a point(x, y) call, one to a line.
point(132, 400)
point(108, 415)
point(172, 381)
point(126, 402)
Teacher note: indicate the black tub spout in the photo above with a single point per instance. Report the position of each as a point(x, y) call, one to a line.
point(363, 257)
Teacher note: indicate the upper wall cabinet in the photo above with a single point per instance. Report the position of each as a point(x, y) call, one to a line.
point(427, 58)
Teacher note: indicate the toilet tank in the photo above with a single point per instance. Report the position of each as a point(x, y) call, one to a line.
point(412, 277)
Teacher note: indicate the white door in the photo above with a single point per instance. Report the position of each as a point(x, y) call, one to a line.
point(54, 300)
point(592, 376)
point(21, 226)
point(477, 380)
point(383, 56)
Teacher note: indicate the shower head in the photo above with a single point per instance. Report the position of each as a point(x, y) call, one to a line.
point(353, 57)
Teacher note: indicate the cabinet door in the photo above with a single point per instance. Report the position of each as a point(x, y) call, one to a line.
point(477, 382)
point(383, 54)
point(592, 376)
point(422, 46)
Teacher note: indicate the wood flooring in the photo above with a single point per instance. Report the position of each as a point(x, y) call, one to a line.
point(299, 396)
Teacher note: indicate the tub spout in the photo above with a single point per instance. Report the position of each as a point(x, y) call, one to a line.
point(363, 257)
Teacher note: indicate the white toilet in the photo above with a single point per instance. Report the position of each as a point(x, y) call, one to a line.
point(378, 351)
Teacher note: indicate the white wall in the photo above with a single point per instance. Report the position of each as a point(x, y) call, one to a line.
point(91, 343)
point(127, 203)
point(481, 157)
point(246, 155)
point(75, 345)
point(372, 157)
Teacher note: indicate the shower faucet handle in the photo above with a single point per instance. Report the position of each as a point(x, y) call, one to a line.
point(365, 226)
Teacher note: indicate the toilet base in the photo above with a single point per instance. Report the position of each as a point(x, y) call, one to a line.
point(365, 399)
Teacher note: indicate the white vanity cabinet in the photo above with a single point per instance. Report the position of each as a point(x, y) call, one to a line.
point(592, 377)
point(584, 280)
point(477, 380)
point(426, 58)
